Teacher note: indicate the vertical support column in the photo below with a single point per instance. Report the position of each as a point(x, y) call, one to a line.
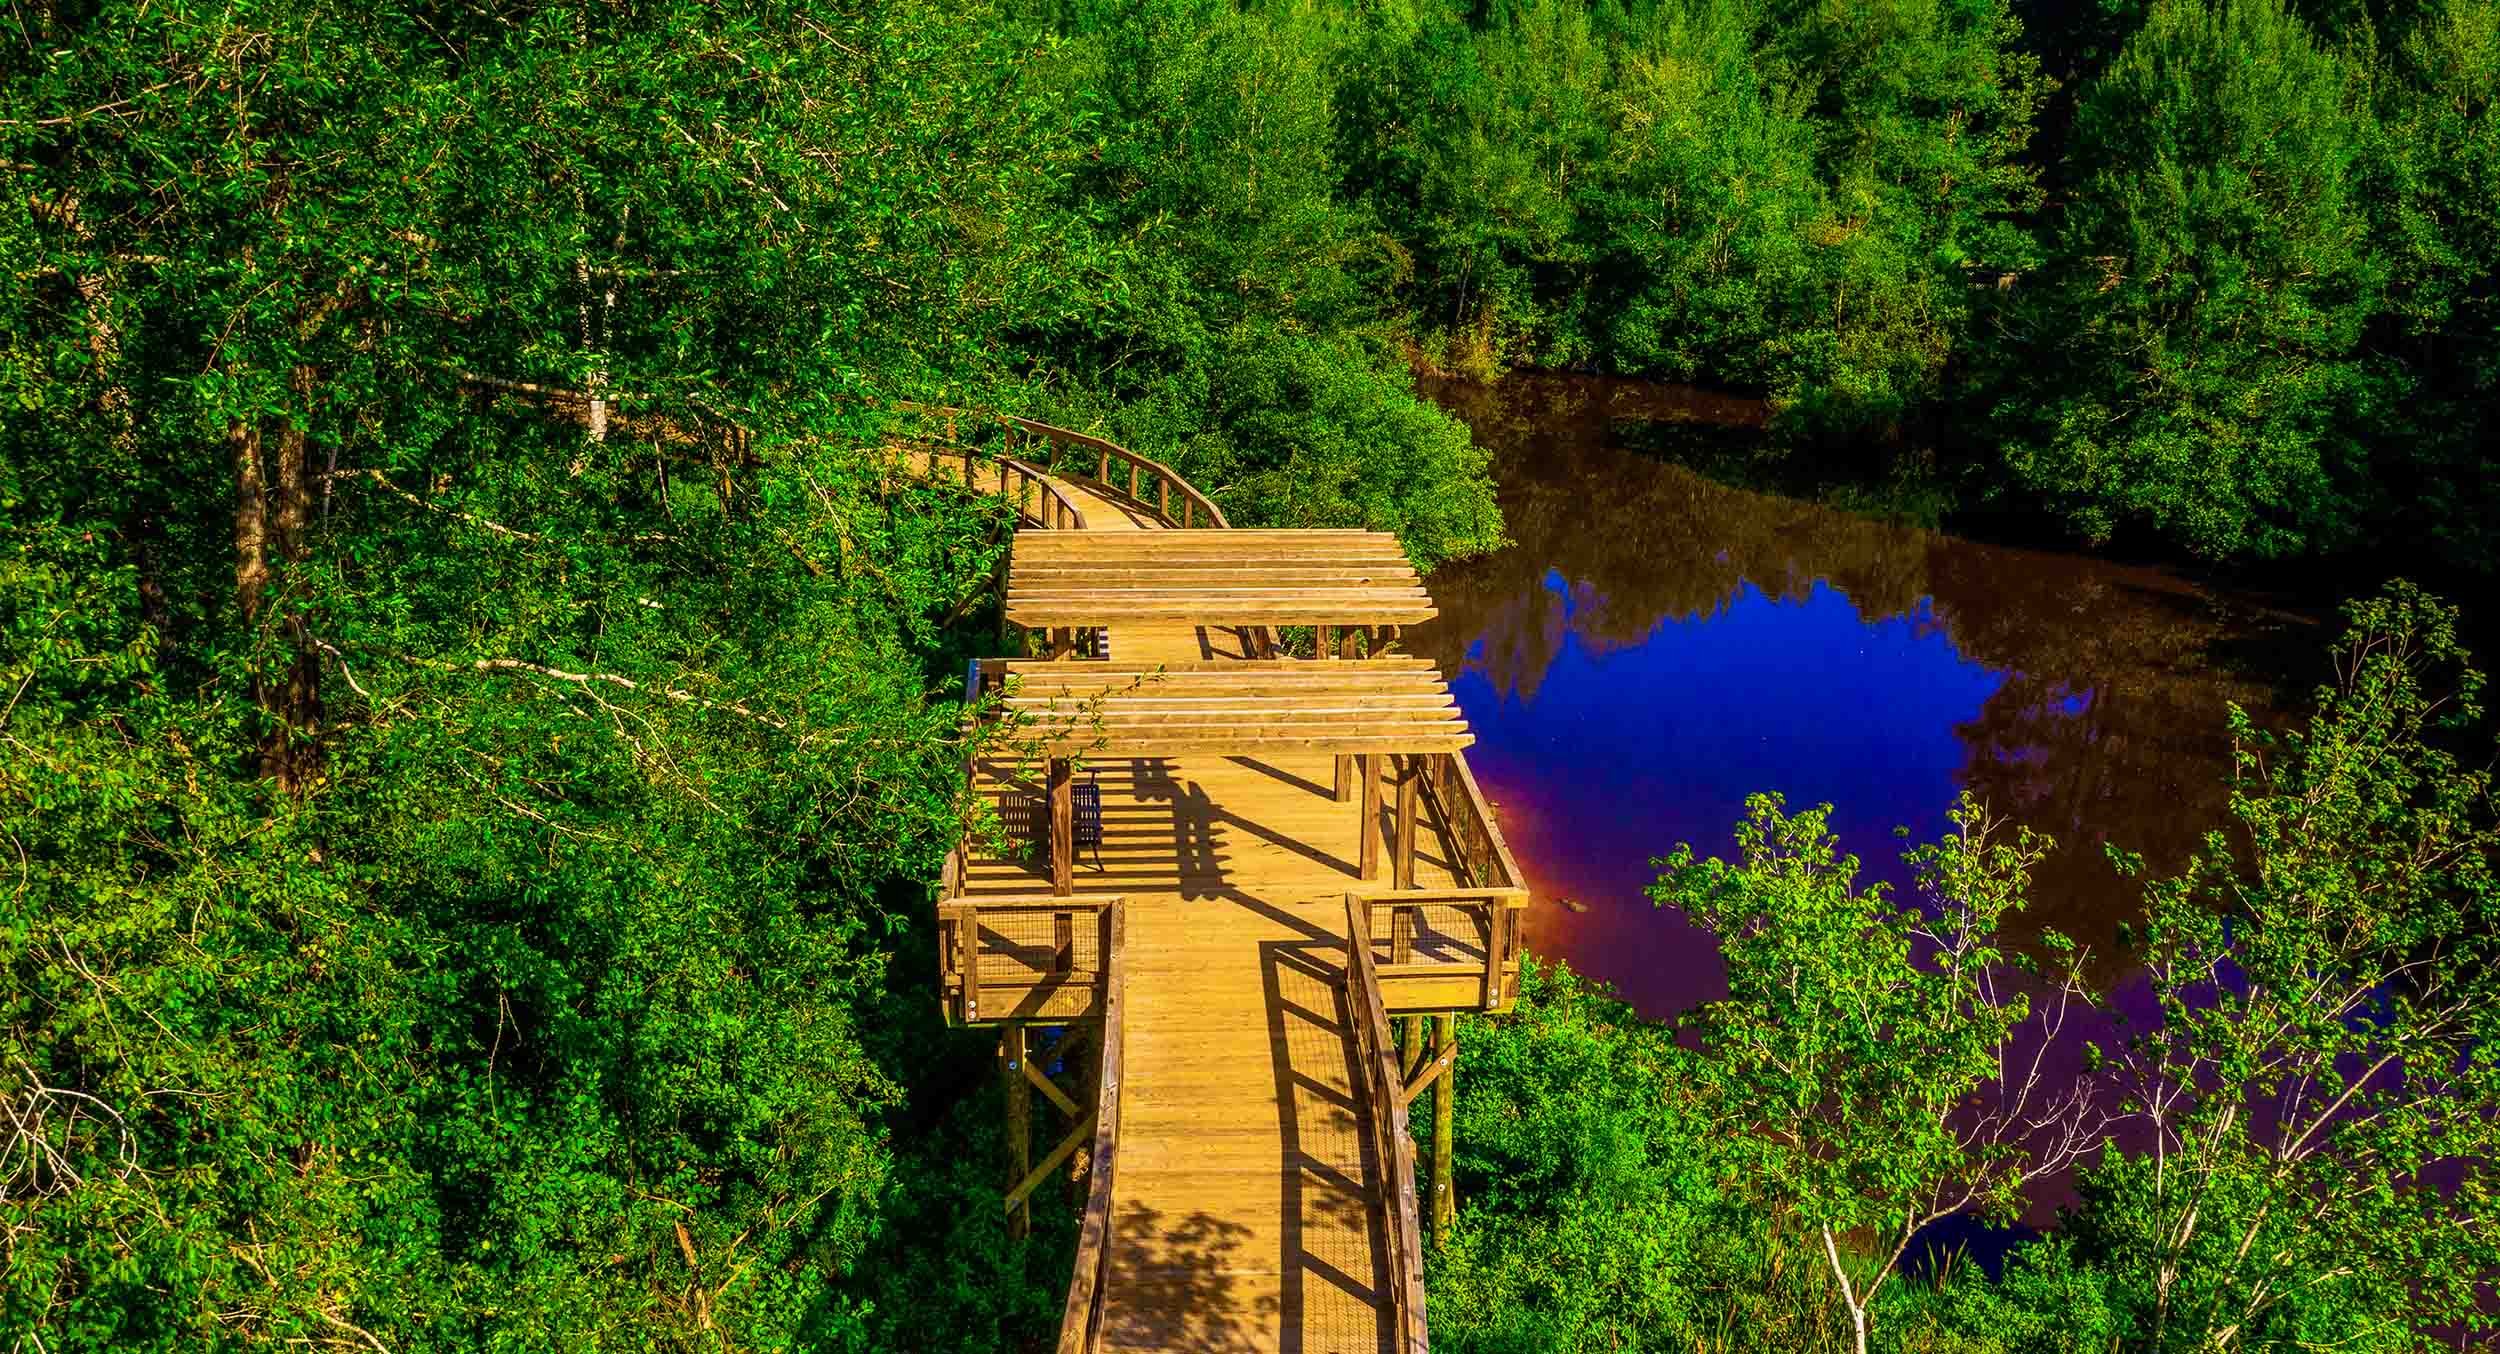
point(1345, 765)
point(1062, 941)
point(1062, 827)
point(1445, 1088)
point(1019, 1123)
point(1369, 848)
point(1410, 779)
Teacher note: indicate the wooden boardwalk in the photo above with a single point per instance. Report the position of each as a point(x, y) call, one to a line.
point(1254, 1205)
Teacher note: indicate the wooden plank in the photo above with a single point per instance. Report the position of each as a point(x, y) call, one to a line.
point(1405, 1279)
point(968, 960)
point(1422, 1077)
point(1444, 1098)
point(1048, 576)
point(1228, 670)
point(1186, 744)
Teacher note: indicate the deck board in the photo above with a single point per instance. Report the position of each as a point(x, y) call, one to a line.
point(1246, 1214)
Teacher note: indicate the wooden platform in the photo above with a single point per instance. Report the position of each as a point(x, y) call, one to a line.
point(1251, 1208)
point(1214, 577)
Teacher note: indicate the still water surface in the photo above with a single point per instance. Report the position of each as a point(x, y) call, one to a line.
point(1655, 646)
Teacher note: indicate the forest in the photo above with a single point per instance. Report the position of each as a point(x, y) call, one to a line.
point(478, 719)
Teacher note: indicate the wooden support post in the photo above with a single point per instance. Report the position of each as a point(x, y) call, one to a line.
point(1062, 827)
point(1019, 1124)
point(1444, 1189)
point(1369, 773)
point(968, 961)
point(1344, 636)
point(1410, 780)
point(1062, 941)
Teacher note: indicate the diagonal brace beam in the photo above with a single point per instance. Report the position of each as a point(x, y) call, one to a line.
point(1050, 1089)
point(1430, 1072)
point(1066, 1148)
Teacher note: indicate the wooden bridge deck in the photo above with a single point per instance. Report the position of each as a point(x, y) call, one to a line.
point(1251, 1208)
point(1246, 1215)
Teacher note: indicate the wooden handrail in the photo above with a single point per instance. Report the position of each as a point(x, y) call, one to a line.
point(959, 944)
point(1383, 1090)
point(1482, 856)
point(1495, 912)
point(1142, 483)
point(1038, 500)
point(1197, 510)
point(1080, 1325)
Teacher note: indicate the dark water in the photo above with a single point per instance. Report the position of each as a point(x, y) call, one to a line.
point(1656, 646)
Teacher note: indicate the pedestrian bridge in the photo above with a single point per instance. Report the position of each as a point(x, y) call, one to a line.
point(1239, 853)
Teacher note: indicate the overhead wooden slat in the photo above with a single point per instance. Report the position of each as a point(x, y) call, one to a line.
point(1077, 579)
point(1072, 709)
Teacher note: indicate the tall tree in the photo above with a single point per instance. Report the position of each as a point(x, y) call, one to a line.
point(2323, 1084)
point(1871, 1065)
point(2191, 364)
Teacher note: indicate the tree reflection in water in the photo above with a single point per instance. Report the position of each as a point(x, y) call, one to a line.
point(1656, 645)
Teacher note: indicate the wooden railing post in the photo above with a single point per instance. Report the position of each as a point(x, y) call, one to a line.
point(968, 961)
point(1445, 1092)
point(1062, 827)
point(1369, 848)
point(1410, 778)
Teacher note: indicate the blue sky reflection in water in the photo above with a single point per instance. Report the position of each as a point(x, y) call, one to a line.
point(1803, 696)
point(1655, 646)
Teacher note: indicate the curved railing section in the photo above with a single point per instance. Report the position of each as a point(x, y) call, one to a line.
point(1140, 483)
point(1036, 497)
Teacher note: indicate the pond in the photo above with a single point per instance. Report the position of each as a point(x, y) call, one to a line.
point(1656, 645)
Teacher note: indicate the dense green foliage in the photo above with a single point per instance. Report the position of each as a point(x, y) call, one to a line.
point(468, 844)
point(2222, 280)
point(475, 707)
point(2303, 1153)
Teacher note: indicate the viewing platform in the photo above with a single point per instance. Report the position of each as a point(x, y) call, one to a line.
point(1226, 877)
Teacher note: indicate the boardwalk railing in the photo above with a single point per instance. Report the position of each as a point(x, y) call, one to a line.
point(1029, 489)
point(1026, 957)
point(1483, 858)
point(1080, 1328)
point(1384, 1111)
point(967, 436)
point(1439, 949)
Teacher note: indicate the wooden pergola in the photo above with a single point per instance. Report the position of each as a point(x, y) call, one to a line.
point(1076, 579)
point(1389, 707)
